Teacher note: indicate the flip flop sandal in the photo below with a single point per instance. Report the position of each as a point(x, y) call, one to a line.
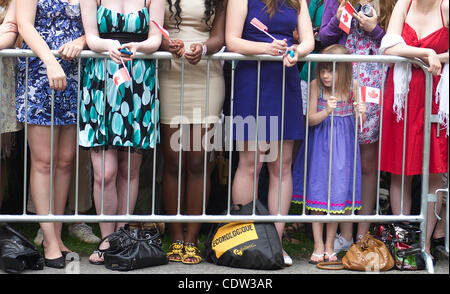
point(330, 257)
point(176, 251)
point(191, 254)
point(100, 260)
point(320, 256)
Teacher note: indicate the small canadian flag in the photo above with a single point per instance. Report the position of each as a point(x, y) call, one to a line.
point(163, 31)
point(121, 76)
point(370, 94)
point(346, 18)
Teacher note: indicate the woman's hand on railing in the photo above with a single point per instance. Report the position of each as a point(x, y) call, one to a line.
point(176, 47)
point(72, 49)
point(195, 55)
point(289, 60)
point(114, 53)
point(434, 63)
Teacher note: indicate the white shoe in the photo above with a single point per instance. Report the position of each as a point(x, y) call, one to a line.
point(83, 232)
point(340, 244)
point(39, 237)
point(287, 259)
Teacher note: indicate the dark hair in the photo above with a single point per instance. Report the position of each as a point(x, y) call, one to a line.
point(211, 7)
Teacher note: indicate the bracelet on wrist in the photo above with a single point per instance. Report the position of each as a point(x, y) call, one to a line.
point(204, 49)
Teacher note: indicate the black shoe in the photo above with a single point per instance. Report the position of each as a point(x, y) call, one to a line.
point(59, 262)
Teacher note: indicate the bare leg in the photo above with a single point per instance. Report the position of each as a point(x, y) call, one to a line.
point(331, 233)
point(396, 194)
point(369, 184)
point(39, 139)
point(170, 182)
point(242, 189)
point(194, 184)
point(122, 182)
point(109, 173)
point(63, 173)
point(285, 182)
point(319, 245)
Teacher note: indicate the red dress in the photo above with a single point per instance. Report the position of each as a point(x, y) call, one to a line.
point(392, 132)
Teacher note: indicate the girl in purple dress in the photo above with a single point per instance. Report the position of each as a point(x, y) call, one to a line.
point(366, 31)
point(344, 195)
point(281, 18)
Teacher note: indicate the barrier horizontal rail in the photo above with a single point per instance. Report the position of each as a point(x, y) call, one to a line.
point(234, 57)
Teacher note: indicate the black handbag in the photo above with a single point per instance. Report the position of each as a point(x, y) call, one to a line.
point(251, 245)
point(134, 248)
point(17, 253)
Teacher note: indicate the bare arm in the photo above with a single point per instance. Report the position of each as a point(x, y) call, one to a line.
point(153, 42)
point(236, 15)
point(215, 41)
point(9, 34)
point(25, 23)
point(396, 27)
point(316, 117)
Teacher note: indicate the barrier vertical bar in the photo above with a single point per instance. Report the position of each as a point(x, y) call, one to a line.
point(355, 149)
point(181, 136)
point(258, 85)
point(426, 168)
point(52, 151)
point(205, 160)
point(305, 170)
point(77, 154)
point(103, 151)
point(377, 209)
point(331, 141)
point(283, 97)
point(155, 134)
point(404, 150)
point(25, 141)
point(231, 141)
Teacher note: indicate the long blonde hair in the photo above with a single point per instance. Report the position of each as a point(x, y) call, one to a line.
point(272, 5)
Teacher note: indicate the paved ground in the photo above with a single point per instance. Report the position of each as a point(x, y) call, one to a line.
point(300, 267)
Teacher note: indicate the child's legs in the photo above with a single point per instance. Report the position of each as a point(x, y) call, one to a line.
point(317, 228)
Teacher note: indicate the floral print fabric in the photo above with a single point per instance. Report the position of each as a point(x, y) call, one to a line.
point(370, 75)
point(124, 116)
point(58, 22)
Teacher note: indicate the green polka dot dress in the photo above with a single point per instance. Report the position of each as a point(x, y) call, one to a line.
point(124, 116)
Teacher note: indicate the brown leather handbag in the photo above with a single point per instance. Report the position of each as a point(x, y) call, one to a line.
point(370, 254)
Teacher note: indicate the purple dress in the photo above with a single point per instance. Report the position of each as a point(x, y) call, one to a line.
point(342, 168)
point(281, 26)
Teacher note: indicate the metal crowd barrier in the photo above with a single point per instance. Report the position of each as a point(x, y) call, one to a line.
point(204, 217)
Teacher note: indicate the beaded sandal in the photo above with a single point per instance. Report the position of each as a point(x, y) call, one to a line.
point(176, 251)
point(191, 254)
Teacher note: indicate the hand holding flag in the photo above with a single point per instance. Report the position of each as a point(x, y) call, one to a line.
point(263, 28)
point(345, 20)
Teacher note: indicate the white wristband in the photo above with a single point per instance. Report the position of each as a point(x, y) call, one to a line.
point(204, 49)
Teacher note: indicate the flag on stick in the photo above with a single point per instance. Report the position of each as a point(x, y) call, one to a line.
point(346, 18)
point(163, 31)
point(260, 26)
point(370, 95)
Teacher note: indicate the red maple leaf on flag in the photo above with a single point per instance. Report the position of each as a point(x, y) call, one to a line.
point(345, 17)
point(116, 80)
point(373, 94)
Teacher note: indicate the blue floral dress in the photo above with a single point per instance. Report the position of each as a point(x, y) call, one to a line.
point(58, 22)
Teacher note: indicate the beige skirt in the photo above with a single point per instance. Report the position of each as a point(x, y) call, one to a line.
point(199, 105)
